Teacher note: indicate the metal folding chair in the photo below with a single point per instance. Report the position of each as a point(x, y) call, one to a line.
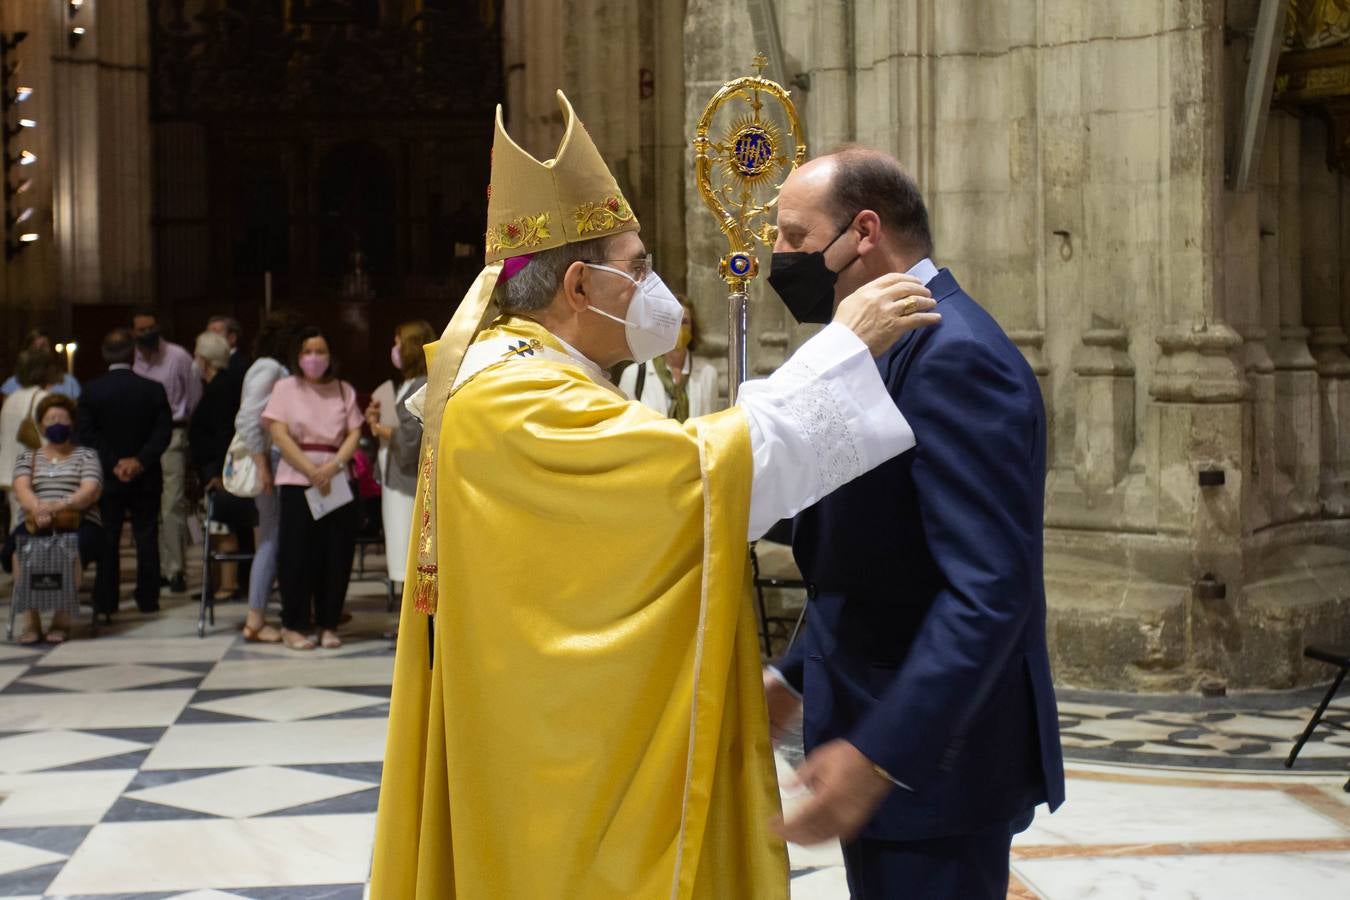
point(1340, 658)
point(207, 612)
point(774, 626)
point(369, 537)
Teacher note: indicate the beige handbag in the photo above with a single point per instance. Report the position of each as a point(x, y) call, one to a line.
point(28, 430)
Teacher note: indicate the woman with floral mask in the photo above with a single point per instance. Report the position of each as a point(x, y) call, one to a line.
point(58, 486)
point(677, 384)
point(315, 423)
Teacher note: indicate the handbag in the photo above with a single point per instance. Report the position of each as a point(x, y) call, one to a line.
point(65, 520)
point(240, 474)
point(28, 430)
point(50, 568)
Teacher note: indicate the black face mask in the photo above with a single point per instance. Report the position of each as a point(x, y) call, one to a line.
point(148, 339)
point(58, 433)
point(805, 283)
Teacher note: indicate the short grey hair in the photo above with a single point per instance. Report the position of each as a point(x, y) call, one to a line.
point(535, 286)
point(214, 349)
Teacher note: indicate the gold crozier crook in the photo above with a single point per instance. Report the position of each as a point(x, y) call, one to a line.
point(739, 175)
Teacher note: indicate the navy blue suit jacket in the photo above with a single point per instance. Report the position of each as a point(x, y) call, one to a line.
point(924, 640)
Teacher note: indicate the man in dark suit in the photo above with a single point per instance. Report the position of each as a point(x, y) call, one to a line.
point(127, 419)
point(921, 671)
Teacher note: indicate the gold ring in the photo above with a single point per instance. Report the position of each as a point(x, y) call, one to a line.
point(907, 308)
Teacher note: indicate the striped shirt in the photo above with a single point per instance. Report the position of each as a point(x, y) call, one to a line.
point(55, 480)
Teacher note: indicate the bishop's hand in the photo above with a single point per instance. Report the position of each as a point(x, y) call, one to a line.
point(885, 309)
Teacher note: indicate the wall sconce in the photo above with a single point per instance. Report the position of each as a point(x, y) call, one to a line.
point(12, 130)
point(22, 93)
point(26, 158)
point(24, 216)
point(76, 35)
point(76, 6)
point(13, 248)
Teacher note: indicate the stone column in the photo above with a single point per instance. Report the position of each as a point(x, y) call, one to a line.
point(102, 190)
point(533, 63)
point(1297, 440)
point(1198, 417)
point(1320, 203)
point(715, 51)
point(600, 49)
point(663, 213)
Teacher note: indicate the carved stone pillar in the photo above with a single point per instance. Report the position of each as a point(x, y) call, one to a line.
point(533, 65)
point(1104, 397)
point(1297, 432)
point(1320, 206)
point(716, 52)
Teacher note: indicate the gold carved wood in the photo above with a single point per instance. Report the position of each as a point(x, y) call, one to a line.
point(1315, 24)
point(1314, 71)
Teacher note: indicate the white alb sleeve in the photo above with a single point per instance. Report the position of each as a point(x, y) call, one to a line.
point(824, 418)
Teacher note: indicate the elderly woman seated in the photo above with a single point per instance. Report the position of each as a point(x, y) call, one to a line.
point(58, 487)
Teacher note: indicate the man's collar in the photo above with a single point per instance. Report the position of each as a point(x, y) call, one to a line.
point(115, 366)
point(924, 270)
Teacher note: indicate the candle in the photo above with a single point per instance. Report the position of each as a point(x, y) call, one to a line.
point(70, 357)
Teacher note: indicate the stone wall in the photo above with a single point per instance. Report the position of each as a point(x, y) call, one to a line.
point(1074, 159)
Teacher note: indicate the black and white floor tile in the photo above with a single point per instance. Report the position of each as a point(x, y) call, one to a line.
point(149, 763)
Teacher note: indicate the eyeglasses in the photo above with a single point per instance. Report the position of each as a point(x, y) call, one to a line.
point(639, 267)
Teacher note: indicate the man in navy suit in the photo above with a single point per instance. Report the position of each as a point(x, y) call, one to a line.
point(126, 418)
point(921, 671)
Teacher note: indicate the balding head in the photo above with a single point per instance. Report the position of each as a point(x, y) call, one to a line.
point(863, 178)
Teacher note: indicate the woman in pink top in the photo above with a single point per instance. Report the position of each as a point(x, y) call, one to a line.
point(315, 423)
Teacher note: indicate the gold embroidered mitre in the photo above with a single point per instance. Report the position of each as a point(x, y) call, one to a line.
point(535, 205)
point(532, 206)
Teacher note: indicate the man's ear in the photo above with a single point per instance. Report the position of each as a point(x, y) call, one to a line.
point(574, 287)
point(868, 224)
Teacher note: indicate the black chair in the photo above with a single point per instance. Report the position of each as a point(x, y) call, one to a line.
point(368, 538)
point(1340, 658)
point(209, 556)
point(786, 626)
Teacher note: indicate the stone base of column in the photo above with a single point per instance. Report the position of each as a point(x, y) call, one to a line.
point(1136, 623)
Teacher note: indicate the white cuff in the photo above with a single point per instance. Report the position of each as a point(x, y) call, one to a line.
point(781, 679)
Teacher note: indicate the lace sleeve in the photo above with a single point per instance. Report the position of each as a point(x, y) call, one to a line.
point(817, 423)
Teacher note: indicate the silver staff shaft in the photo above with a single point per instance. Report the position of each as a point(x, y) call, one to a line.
point(737, 303)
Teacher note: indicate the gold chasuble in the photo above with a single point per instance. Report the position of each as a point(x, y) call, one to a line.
point(592, 722)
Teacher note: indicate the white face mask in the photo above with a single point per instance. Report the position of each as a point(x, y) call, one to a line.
point(654, 316)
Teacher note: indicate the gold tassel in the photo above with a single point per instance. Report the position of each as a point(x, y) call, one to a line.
point(424, 597)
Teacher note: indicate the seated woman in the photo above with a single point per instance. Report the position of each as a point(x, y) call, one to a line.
point(209, 433)
point(58, 487)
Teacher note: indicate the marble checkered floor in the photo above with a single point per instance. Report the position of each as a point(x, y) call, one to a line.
point(152, 764)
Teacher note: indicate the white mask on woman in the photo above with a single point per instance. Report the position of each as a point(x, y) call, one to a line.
point(654, 316)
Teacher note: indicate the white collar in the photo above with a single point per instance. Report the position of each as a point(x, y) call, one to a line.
point(596, 373)
point(924, 270)
point(115, 366)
